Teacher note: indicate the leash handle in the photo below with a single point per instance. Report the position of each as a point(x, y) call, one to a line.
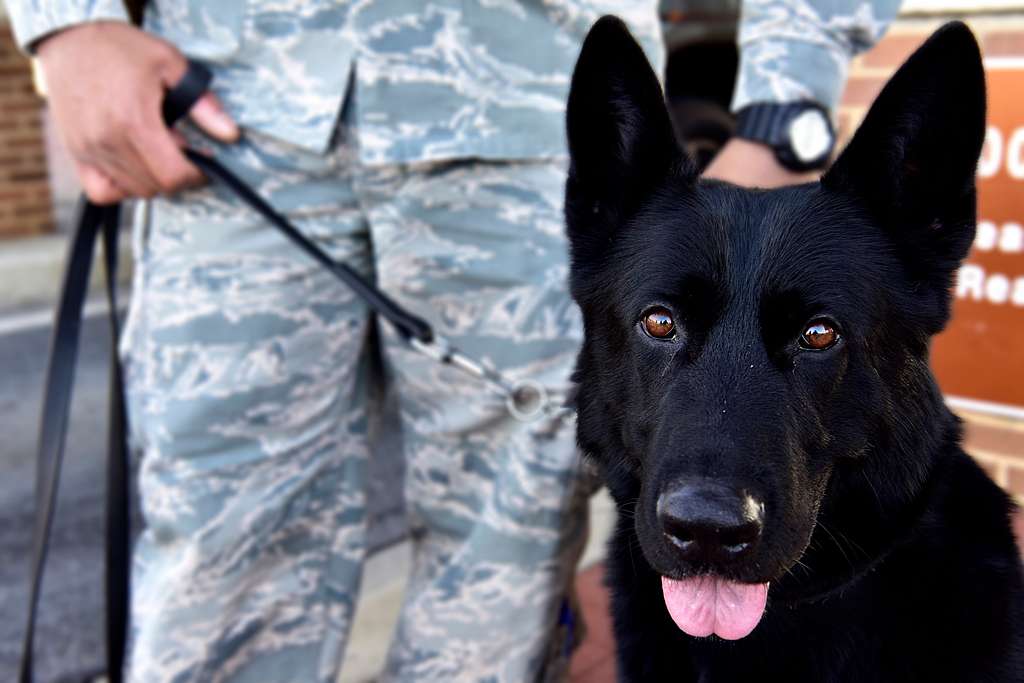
point(183, 96)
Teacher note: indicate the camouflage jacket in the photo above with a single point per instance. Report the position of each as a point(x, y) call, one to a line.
point(433, 80)
point(444, 79)
point(801, 49)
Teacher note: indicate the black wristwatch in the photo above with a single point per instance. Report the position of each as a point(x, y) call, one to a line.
point(800, 133)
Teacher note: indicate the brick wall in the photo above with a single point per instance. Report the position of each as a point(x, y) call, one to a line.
point(25, 204)
point(996, 442)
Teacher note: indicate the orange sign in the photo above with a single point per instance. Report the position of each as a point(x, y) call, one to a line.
point(979, 359)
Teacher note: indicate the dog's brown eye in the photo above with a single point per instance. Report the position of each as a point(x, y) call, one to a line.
point(819, 335)
point(658, 323)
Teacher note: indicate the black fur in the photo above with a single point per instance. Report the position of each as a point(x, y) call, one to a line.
point(890, 553)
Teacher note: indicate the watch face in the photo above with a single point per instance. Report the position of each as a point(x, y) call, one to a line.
point(809, 136)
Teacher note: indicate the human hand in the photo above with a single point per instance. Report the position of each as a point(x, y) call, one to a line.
point(751, 164)
point(106, 83)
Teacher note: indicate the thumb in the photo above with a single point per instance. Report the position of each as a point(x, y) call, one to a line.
point(208, 114)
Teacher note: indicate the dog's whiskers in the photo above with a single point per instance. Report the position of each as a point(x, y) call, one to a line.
point(668, 363)
point(838, 544)
point(874, 491)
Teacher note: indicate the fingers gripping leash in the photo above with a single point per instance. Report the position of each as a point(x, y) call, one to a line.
point(526, 400)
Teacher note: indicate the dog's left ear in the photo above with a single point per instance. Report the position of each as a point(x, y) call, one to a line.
point(913, 159)
point(621, 142)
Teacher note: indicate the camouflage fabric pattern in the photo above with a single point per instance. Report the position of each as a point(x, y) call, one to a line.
point(440, 79)
point(244, 368)
point(448, 78)
point(800, 49)
point(32, 20)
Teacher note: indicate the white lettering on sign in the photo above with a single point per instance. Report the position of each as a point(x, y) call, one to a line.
point(994, 288)
point(1012, 239)
point(991, 153)
point(1007, 238)
point(998, 150)
point(1014, 162)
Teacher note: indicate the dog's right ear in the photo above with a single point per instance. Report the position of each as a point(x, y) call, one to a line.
point(912, 161)
point(621, 142)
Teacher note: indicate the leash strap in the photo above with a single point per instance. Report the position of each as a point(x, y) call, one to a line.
point(408, 325)
point(118, 513)
point(93, 222)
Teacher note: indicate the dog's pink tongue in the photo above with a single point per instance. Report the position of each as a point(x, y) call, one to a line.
point(704, 605)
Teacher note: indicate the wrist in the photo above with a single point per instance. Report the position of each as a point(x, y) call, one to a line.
point(753, 164)
point(34, 22)
point(800, 133)
point(88, 30)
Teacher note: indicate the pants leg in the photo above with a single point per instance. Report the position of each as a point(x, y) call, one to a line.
point(497, 510)
point(242, 358)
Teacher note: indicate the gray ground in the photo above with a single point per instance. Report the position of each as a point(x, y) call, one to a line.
point(69, 636)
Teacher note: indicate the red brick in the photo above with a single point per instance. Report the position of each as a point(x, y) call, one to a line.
point(892, 50)
point(861, 90)
point(1003, 44)
point(991, 469)
point(602, 672)
point(1018, 530)
point(29, 176)
point(596, 654)
point(11, 69)
point(28, 211)
point(1015, 482)
point(993, 439)
point(588, 656)
point(31, 142)
point(19, 105)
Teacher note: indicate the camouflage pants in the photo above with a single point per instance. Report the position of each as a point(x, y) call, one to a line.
point(244, 360)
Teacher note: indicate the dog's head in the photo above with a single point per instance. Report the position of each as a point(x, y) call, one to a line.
point(743, 346)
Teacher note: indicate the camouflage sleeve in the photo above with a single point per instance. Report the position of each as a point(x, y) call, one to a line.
point(800, 49)
point(33, 20)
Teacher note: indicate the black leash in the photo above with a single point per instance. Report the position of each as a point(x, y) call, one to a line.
point(526, 400)
point(407, 324)
point(93, 221)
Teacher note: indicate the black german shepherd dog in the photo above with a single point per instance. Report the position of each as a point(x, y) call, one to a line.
point(794, 503)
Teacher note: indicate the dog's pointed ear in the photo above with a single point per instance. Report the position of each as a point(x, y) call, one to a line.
point(621, 141)
point(913, 159)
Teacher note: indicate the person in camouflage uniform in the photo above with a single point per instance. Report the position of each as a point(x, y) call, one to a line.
point(423, 144)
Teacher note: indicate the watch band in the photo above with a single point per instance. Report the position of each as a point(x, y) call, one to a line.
point(769, 123)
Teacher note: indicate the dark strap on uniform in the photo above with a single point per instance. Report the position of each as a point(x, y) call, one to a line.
point(57, 399)
point(93, 221)
point(179, 99)
point(118, 512)
point(407, 324)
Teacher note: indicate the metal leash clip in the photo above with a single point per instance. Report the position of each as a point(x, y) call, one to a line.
point(526, 399)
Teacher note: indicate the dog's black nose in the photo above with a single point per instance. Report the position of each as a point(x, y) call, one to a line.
point(710, 522)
